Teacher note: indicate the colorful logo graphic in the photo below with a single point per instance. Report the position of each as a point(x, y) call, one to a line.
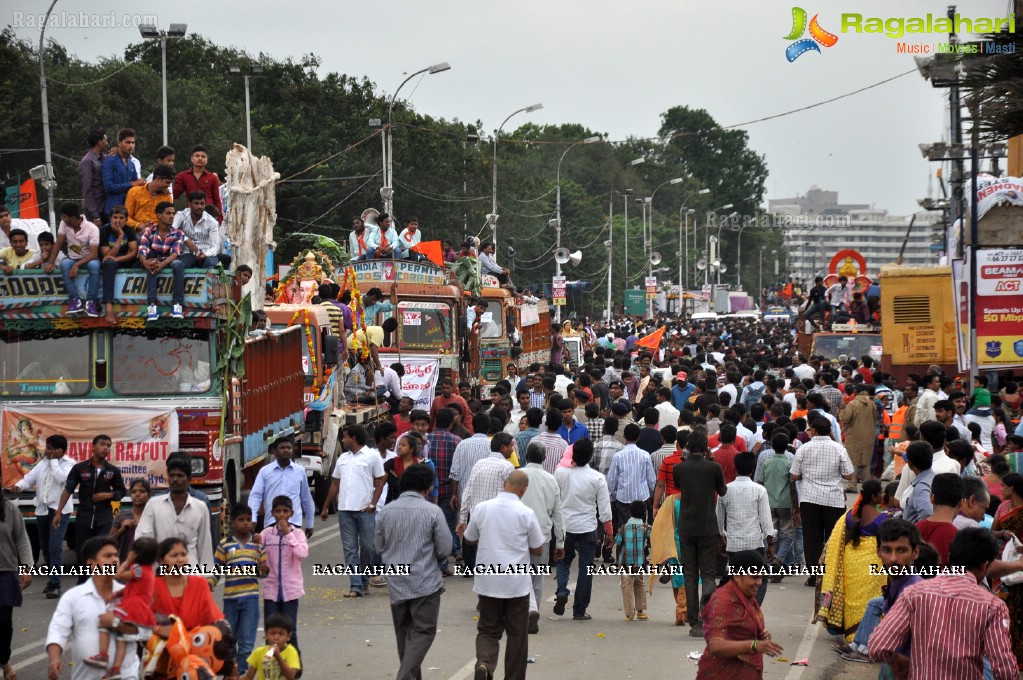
point(818, 36)
point(993, 348)
point(1018, 348)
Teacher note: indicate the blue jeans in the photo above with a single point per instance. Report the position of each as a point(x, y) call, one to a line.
point(818, 308)
point(242, 614)
point(92, 278)
point(51, 542)
point(785, 550)
point(177, 268)
point(586, 546)
point(871, 617)
point(192, 262)
point(357, 530)
point(110, 269)
point(289, 609)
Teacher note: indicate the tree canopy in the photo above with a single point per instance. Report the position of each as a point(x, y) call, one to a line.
point(316, 130)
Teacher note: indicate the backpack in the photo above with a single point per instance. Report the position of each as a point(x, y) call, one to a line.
point(753, 396)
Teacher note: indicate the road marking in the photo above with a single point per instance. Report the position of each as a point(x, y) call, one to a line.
point(803, 652)
point(30, 661)
point(465, 671)
point(36, 644)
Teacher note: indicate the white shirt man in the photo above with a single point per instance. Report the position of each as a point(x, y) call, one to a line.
point(507, 530)
point(409, 238)
point(32, 227)
point(160, 520)
point(667, 415)
point(940, 462)
point(75, 620)
point(390, 380)
point(48, 478)
point(203, 232)
point(925, 406)
point(582, 489)
point(804, 371)
point(357, 474)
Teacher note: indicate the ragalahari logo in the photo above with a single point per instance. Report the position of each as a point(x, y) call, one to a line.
point(818, 36)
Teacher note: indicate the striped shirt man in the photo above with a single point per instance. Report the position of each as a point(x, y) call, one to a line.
point(631, 477)
point(411, 530)
point(242, 560)
point(468, 452)
point(977, 628)
point(555, 447)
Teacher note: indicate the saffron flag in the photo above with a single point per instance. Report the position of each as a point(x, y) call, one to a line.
point(28, 204)
point(432, 250)
point(652, 341)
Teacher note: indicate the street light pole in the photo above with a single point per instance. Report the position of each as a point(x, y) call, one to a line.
point(611, 221)
point(255, 72)
point(151, 31)
point(50, 183)
point(492, 217)
point(387, 190)
point(681, 281)
point(557, 226)
point(760, 288)
point(706, 235)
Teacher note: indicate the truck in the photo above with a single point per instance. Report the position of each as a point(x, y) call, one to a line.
point(849, 340)
point(918, 320)
point(505, 315)
point(153, 387)
point(430, 310)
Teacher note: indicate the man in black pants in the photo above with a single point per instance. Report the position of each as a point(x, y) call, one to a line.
point(99, 483)
point(821, 464)
point(698, 480)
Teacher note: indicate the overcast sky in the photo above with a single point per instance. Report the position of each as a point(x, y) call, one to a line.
point(611, 66)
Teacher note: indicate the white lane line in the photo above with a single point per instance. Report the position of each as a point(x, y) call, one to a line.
point(32, 646)
point(803, 652)
point(30, 661)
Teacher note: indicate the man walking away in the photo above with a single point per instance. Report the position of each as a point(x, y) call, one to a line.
point(411, 530)
point(508, 533)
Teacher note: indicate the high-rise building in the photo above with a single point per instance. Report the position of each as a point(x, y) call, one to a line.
point(816, 226)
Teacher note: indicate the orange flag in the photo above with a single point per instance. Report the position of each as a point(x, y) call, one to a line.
point(29, 204)
point(787, 291)
point(432, 250)
point(652, 341)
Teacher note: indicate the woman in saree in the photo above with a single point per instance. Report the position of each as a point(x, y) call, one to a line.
point(848, 582)
point(733, 625)
point(1009, 517)
point(666, 551)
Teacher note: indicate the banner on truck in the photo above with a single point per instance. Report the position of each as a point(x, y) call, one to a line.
point(420, 381)
point(142, 437)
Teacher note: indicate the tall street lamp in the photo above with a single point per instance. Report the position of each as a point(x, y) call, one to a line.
point(688, 212)
point(152, 32)
point(760, 291)
point(255, 72)
point(611, 220)
point(557, 219)
point(706, 234)
point(650, 238)
point(387, 190)
point(49, 183)
point(492, 217)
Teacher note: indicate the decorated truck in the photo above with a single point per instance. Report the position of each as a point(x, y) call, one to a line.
point(430, 310)
point(513, 330)
point(153, 387)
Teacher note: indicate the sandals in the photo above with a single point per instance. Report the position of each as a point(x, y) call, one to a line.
point(353, 593)
point(10, 673)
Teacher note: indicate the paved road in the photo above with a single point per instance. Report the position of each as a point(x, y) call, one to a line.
point(353, 639)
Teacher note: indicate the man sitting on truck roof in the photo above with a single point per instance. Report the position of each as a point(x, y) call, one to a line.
point(362, 242)
point(159, 248)
point(489, 266)
point(409, 238)
point(360, 385)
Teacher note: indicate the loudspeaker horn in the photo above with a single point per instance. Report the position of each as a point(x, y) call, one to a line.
point(575, 258)
point(701, 264)
point(723, 268)
point(655, 258)
point(561, 255)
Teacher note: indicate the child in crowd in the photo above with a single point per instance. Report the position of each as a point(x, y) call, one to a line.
point(276, 659)
point(285, 547)
point(632, 543)
point(243, 556)
point(403, 419)
point(45, 240)
point(18, 254)
point(133, 610)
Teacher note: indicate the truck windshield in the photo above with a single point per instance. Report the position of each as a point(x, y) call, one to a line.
point(161, 362)
point(424, 325)
point(492, 323)
point(853, 346)
point(44, 363)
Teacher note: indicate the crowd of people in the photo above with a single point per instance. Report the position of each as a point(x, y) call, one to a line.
point(125, 222)
point(716, 458)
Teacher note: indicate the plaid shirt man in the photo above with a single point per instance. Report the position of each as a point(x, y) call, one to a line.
point(596, 428)
point(485, 482)
point(153, 243)
point(537, 399)
point(833, 395)
point(440, 448)
point(604, 450)
point(468, 452)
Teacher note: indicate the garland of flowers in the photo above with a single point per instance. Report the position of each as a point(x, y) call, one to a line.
point(309, 339)
point(360, 344)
